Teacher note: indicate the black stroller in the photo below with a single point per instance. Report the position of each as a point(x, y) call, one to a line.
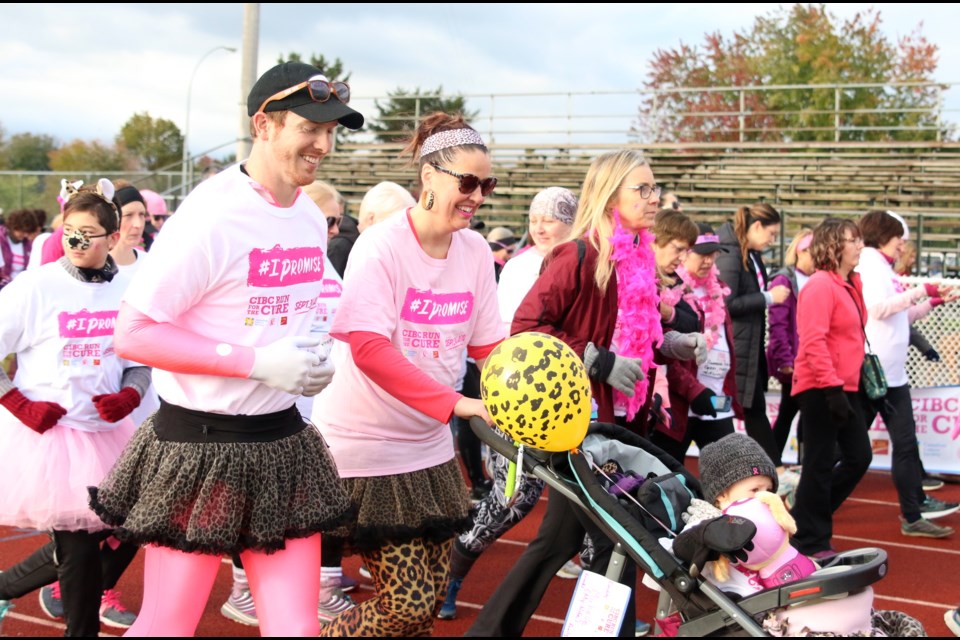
point(704, 609)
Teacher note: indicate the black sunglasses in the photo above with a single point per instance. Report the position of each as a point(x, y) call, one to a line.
point(470, 182)
point(331, 221)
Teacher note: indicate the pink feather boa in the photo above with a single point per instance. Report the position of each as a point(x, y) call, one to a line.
point(711, 303)
point(638, 306)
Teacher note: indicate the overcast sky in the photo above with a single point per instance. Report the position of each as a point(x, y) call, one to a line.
point(81, 70)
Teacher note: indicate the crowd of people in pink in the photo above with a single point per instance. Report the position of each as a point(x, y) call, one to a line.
point(263, 377)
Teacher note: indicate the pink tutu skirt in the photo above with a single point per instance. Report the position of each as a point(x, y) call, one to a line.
point(45, 477)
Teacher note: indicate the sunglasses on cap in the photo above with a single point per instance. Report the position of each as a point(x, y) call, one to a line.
point(469, 182)
point(319, 88)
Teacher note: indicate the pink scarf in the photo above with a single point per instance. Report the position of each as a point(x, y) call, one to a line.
point(711, 303)
point(638, 306)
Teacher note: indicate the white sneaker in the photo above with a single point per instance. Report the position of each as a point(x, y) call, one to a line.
point(335, 605)
point(570, 571)
point(239, 607)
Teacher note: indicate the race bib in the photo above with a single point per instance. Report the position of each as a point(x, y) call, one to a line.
point(717, 364)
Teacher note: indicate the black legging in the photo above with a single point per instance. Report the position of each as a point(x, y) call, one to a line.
point(824, 483)
point(756, 421)
point(789, 408)
point(75, 558)
point(906, 468)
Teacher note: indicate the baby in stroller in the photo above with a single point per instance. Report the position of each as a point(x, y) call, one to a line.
point(738, 539)
point(738, 479)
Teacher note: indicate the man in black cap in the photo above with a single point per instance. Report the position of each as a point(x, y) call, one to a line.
point(223, 312)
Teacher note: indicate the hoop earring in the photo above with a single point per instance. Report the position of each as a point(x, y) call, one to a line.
point(427, 200)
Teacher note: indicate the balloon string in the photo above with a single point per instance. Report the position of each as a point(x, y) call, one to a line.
point(513, 477)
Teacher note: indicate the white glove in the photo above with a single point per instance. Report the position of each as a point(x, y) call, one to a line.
point(286, 364)
point(320, 377)
point(684, 346)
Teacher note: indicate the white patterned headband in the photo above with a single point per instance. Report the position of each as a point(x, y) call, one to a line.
point(447, 139)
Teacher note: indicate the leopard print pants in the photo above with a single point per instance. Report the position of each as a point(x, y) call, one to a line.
point(410, 581)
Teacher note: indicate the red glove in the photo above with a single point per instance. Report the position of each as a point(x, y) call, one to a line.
point(116, 406)
point(36, 414)
point(931, 289)
point(936, 302)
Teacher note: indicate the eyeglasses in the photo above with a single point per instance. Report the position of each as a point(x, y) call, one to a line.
point(645, 190)
point(333, 221)
point(319, 88)
point(854, 240)
point(469, 182)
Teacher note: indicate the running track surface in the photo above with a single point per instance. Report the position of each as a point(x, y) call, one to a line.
point(922, 580)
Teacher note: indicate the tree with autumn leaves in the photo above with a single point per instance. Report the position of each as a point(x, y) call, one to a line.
point(802, 44)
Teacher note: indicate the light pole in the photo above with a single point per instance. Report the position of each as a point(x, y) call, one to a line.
point(185, 172)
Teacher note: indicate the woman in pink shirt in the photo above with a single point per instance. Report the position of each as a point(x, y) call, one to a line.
point(418, 291)
point(826, 382)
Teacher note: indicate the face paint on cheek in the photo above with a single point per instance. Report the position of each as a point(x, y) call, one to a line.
point(77, 239)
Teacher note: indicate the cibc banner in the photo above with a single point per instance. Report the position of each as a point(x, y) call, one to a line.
point(936, 411)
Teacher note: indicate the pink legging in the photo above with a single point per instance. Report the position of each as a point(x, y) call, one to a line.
point(285, 586)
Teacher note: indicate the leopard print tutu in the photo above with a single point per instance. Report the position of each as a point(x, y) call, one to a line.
point(216, 497)
point(430, 503)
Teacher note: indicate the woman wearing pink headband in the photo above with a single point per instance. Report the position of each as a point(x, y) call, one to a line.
point(418, 294)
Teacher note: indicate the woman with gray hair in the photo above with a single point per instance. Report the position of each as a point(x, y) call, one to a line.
point(551, 216)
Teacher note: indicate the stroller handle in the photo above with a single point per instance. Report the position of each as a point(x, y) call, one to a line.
point(489, 436)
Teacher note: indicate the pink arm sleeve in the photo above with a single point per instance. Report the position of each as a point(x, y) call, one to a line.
point(920, 311)
point(896, 303)
point(480, 352)
point(380, 361)
point(162, 345)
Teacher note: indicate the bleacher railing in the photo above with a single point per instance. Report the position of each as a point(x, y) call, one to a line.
point(827, 113)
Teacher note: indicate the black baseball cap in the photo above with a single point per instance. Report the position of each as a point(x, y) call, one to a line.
point(289, 74)
point(707, 241)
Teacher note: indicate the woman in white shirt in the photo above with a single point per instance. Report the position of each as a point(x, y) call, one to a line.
point(891, 308)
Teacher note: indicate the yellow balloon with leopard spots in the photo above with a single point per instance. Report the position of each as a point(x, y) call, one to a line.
point(536, 390)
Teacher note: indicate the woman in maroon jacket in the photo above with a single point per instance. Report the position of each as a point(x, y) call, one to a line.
point(826, 382)
point(599, 295)
point(694, 389)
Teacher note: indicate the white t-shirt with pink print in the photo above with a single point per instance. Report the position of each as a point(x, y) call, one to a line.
point(62, 332)
point(431, 310)
point(231, 267)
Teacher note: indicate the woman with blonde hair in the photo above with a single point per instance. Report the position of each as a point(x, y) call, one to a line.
point(782, 341)
point(751, 232)
point(597, 293)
